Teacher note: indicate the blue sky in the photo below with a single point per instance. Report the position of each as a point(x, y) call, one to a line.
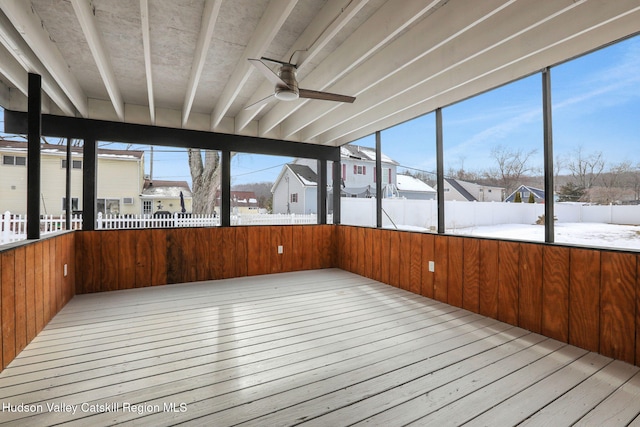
point(596, 106)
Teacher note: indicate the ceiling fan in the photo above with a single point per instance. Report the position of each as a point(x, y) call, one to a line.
point(287, 86)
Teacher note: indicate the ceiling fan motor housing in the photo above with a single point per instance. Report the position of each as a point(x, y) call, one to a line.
point(290, 92)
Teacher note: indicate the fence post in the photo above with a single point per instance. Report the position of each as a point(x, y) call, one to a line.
point(99, 222)
point(5, 226)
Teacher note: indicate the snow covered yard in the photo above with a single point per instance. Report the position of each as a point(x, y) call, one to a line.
point(588, 234)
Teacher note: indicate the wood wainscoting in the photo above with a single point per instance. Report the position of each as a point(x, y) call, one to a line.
point(589, 298)
point(126, 259)
point(34, 289)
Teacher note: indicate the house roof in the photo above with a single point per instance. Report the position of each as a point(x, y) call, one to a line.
point(165, 189)
point(460, 189)
point(244, 198)
point(353, 151)
point(409, 183)
point(184, 63)
point(304, 173)
point(539, 193)
point(20, 146)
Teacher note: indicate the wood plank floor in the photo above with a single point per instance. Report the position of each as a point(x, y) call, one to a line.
point(316, 348)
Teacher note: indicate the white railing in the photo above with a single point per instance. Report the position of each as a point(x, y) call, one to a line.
point(118, 222)
point(14, 227)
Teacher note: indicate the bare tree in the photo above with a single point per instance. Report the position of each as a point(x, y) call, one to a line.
point(586, 169)
point(205, 168)
point(513, 165)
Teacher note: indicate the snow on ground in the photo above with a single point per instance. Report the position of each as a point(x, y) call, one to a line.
point(586, 234)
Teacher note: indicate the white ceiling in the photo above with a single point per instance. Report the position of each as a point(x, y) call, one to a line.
point(183, 63)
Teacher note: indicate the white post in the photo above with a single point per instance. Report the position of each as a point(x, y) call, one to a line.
point(6, 225)
point(99, 220)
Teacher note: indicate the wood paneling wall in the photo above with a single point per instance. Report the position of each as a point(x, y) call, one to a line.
point(586, 297)
point(110, 260)
point(33, 290)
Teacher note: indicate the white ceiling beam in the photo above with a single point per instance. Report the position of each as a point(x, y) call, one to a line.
point(30, 27)
point(85, 12)
point(329, 21)
point(146, 47)
point(547, 44)
point(272, 20)
point(208, 23)
point(396, 56)
point(583, 42)
point(363, 43)
point(482, 40)
point(13, 71)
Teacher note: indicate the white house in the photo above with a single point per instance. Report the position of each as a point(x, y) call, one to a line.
point(120, 178)
point(165, 196)
point(412, 188)
point(456, 189)
point(295, 188)
point(121, 187)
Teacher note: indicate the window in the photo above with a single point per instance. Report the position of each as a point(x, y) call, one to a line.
point(108, 206)
point(495, 140)
point(75, 164)
point(147, 207)
point(14, 160)
point(294, 198)
point(596, 134)
point(359, 170)
point(74, 203)
point(408, 175)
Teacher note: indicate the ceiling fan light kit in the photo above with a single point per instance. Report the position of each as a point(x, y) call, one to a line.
point(286, 84)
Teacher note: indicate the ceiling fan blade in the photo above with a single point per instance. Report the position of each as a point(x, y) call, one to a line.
point(270, 75)
point(275, 61)
point(314, 94)
point(260, 103)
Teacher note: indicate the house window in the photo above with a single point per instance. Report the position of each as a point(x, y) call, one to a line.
point(525, 194)
point(14, 160)
point(147, 206)
point(386, 175)
point(359, 170)
point(75, 164)
point(294, 198)
point(74, 203)
point(108, 206)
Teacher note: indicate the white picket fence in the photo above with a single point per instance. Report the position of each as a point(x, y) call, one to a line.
point(14, 227)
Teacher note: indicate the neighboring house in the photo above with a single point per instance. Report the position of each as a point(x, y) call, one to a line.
point(358, 179)
point(244, 202)
point(359, 171)
point(456, 189)
point(120, 178)
point(164, 196)
point(412, 188)
point(525, 191)
point(295, 190)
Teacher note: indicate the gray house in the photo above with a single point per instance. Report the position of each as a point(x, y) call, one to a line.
point(295, 190)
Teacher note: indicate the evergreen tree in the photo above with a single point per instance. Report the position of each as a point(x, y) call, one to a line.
point(518, 198)
point(531, 198)
point(570, 192)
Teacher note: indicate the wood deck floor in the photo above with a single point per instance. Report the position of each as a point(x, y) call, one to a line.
point(318, 348)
